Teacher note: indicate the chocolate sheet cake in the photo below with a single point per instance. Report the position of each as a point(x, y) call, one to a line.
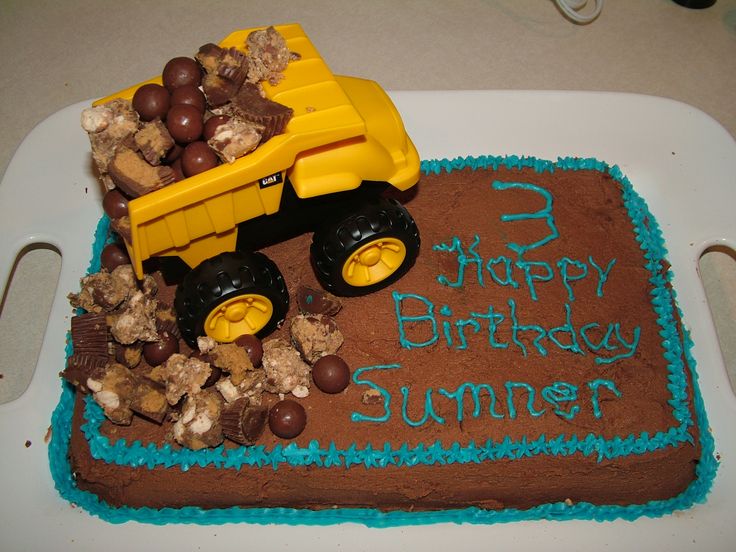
point(531, 364)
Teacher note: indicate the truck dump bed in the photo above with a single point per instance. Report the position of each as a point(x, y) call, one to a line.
point(197, 217)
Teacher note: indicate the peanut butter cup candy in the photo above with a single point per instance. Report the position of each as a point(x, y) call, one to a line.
point(89, 334)
point(135, 176)
point(243, 422)
point(250, 106)
point(215, 372)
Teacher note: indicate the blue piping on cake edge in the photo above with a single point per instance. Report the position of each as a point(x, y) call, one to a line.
point(695, 493)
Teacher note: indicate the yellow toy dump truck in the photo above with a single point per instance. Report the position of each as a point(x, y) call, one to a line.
point(343, 145)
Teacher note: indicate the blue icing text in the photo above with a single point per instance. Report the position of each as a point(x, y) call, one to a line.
point(505, 271)
point(513, 400)
point(545, 214)
point(423, 330)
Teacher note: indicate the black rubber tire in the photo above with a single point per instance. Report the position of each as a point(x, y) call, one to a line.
point(224, 277)
point(336, 240)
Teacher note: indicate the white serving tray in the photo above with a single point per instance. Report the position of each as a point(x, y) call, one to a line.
point(679, 159)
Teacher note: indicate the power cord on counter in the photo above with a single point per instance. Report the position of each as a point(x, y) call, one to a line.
point(571, 9)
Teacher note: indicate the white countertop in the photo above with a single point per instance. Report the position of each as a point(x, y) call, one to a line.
point(56, 54)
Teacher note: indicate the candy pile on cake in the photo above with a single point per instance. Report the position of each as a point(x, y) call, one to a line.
point(127, 353)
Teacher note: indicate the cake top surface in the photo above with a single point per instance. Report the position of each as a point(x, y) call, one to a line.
point(550, 407)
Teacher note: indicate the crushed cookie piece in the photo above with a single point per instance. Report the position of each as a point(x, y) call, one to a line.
point(234, 138)
point(157, 374)
point(300, 391)
point(109, 126)
point(244, 422)
point(315, 335)
point(181, 375)
point(148, 285)
point(371, 396)
point(149, 400)
point(135, 176)
point(268, 55)
point(154, 141)
point(199, 425)
point(284, 367)
point(251, 387)
point(228, 391)
point(101, 292)
point(137, 322)
point(112, 388)
point(96, 119)
point(205, 344)
point(126, 275)
point(232, 359)
point(166, 320)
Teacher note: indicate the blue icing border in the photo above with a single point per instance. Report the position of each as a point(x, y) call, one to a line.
point(648, 235)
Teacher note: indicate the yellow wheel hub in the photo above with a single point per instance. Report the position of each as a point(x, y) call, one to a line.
point(244, 314)
point(374, 262)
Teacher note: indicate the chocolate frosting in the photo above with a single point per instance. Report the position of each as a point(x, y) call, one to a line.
point(592, 222)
